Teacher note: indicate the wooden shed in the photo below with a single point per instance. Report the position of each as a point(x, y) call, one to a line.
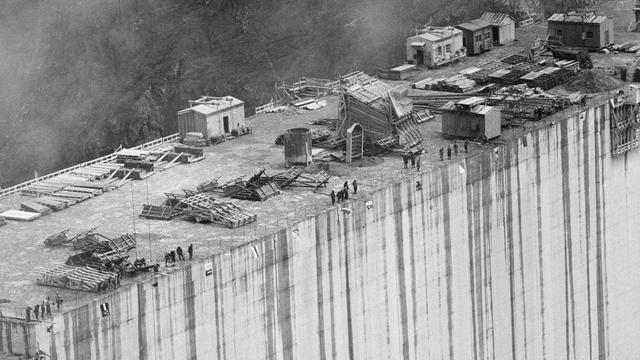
point(470, 118)
point(477, 36)
point(211, 116)
point(503, 27)
point(435, 46)
point(584, 30)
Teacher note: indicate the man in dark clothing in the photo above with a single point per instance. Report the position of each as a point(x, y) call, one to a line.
point(449, 152)
point(43, 307)
point(173, 256)
point(405, 160)
point(58, 300)
point(413, 160)
point(455, 148)
point(167, 258)
point(36, 310)
point(190, 251)
point(28, 313)
point(441, 151)
point(48, 306)
point(355, 187)
point(346, 185)
point(345, 193)
point(333, 197)
point(539, 113)
point(179, 252)
point(466, 146)
point(340, 195)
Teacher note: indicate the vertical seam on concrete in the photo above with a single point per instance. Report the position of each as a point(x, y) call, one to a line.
point(540, 242)
point(348, 290)
point(142, 336)
point(320, 293)
point(190, 316)
point(447, 246)
point(587, 209)
point(402, 287)
point(283, 273)
point(521, 256)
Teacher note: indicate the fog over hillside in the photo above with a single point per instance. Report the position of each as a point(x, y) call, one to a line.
point(79, 78)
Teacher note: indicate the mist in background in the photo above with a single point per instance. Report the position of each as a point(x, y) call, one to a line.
point(80, 78)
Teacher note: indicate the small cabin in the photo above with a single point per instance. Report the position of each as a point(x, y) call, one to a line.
point(435, 46)
point(471, 118)
point(211, 116)
point(503, 27)
point(477, 36)
point(584, 30)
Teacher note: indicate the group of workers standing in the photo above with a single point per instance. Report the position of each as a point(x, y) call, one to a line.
point(456, 150)
point(415, 159)
point(343, 194)
point(177, 254)
point(43, 309)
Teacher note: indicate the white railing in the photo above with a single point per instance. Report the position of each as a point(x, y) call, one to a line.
point(104, 159)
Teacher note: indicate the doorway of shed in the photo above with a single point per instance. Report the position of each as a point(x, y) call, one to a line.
point(496, 35)
point(225, 124)
point(420, 57)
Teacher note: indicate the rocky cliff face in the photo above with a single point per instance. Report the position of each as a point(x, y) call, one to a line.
point(86, 77)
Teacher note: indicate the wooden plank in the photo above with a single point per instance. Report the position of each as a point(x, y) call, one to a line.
point(19, 215)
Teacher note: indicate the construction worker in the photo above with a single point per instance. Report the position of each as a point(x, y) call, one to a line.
point(346, 185)
point(179, 252)
point(173, 256)
point(167, 258)
point(28, 310)
point(190, 251)
point(455, 148)
point(339, 195)
point(36, 311)
point(449, 152)
point(441, 151)
point(466, 146)
point(43, 308)
point(405, 159)
point(345, 193)
point(413, 160)
point(58, 300)
point(333, 197)
point(48, 306)
point(355, 186)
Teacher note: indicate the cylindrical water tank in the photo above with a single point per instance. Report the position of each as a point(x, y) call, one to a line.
point(297, 147)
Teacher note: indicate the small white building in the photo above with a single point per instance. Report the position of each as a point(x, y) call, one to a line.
point(435, 46)
point(211, 116)
point(503, 25)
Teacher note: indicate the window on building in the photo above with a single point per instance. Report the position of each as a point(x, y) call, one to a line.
point(558, 32)
point(589, 34)
point(487, 35)
point(447, 48)
point(479, 37)
point(439, 50)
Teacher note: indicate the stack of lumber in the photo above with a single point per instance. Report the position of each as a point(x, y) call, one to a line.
point(572, 65)
point(82, 278)
point(457, 84)
point(202, 207)
point(422, 115)
point(437, 101)
point(162, 212)
point(426, 84)
point(32, 206)
point(515, 59)
point(502, 76)
point(195, 139)
point(19, 215)
point(482, 77)
point(401, 72)
point(628, 46)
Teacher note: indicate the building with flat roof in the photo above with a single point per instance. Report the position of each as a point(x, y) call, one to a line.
point(585, 30)
point(435, 46)
point(477, 36)
point(211, 116)
point(503, 27)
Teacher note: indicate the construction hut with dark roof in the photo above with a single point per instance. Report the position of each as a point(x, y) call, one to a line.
point(585, 30)
point(477, 36)
point(471, 118)
point(503, 26)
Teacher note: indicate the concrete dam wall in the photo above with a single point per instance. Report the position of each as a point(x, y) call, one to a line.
point(527, 252)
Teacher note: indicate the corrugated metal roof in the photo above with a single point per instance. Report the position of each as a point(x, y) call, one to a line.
point(474, 25)
point(497, 18)
point(587, 18)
